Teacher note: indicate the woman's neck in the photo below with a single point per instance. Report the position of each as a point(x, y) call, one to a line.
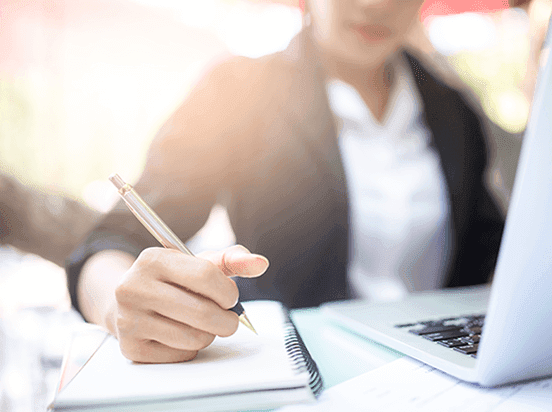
point(372, 83)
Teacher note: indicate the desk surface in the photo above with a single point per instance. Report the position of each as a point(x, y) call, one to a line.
point(340, 355)
point(32, 345)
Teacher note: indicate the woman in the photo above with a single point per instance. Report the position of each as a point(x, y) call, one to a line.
point(342, 160)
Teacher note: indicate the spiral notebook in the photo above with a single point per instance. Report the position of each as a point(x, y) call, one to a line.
point(241, 372)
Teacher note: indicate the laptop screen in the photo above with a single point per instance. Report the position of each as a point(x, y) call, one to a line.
point(521, 297)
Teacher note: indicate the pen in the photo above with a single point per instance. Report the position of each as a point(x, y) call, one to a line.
point(151, 221)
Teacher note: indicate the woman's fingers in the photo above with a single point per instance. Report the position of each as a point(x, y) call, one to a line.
point(237, 261)
point(177, 335)
point(154, 338)
point(194, 310)
point(150, 351)
point(189, 273)
point(147, 336)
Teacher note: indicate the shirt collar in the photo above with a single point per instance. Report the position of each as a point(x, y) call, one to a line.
point(404, 107)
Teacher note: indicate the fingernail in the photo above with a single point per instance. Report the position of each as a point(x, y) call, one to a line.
point(259, 266)
point(254, 264)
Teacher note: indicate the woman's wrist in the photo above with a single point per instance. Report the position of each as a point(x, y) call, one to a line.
point(96, 288)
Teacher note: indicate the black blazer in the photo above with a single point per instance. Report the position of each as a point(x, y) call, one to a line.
point(259, 137)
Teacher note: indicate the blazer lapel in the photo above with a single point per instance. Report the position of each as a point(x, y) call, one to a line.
point(442, 119)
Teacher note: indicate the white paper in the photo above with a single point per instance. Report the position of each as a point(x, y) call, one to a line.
point(408, 385)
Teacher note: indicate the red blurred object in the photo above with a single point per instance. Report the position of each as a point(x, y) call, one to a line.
point(442, 7)
point(292, 3)
point(437, 7)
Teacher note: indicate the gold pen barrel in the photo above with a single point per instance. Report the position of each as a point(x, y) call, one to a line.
point(147, 216)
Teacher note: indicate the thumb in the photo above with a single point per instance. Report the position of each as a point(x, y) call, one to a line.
point(237, 261)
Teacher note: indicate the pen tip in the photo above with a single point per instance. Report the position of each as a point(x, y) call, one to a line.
point(245, 320)
point(117, 181)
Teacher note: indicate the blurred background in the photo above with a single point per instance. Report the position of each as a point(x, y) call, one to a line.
point(85, 84)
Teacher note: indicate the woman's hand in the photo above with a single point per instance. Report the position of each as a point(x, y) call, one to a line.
point(170, 305)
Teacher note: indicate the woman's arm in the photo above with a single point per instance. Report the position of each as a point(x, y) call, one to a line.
point(46, 223)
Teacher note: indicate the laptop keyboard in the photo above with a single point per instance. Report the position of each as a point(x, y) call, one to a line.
point(461, 333)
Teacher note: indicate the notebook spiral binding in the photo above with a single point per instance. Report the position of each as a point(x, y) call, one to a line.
point(301, 358)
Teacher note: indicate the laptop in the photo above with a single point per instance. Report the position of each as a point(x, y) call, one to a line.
point(489, 335)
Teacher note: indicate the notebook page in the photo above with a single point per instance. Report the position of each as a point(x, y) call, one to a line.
point(409, 385)
point(243, 361)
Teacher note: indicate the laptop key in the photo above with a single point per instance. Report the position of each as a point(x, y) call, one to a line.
point(433, 329)
point(445, 335)
point(468, 349)
point(451, 343)
point(471, 339)
point(405, 325)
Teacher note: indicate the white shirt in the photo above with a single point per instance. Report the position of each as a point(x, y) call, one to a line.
point(398, 197)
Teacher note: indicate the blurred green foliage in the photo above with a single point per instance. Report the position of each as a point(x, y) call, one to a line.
point(36, 147)
point(15, 124)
